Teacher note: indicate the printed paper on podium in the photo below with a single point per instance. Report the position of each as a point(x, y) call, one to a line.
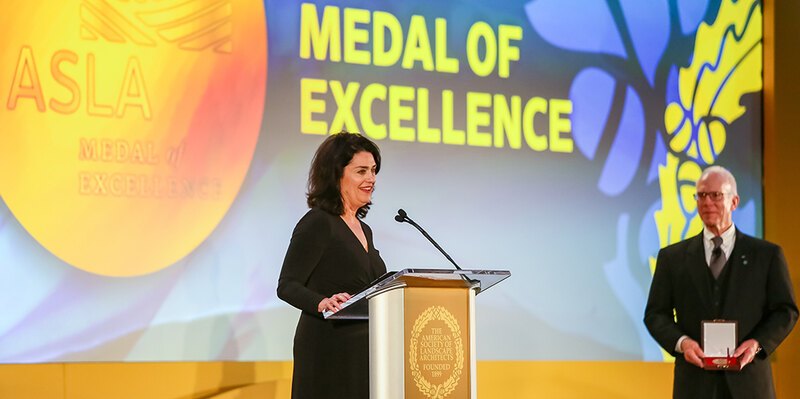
point(719, 343)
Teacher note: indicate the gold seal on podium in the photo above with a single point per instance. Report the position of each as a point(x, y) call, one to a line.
point(436, 353)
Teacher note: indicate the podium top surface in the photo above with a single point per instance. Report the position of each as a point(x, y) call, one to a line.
point(357, 307)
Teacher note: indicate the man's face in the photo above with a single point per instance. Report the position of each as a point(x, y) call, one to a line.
point(716, 213)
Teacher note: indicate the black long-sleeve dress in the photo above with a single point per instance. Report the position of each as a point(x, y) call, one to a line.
point(331, 358)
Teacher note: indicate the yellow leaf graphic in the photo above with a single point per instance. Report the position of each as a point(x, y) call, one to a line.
point(726, 65)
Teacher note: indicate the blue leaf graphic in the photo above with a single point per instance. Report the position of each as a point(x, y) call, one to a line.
point(744, 217)
point(648, 24)
point(593, 29)
point(626, 151)
point(691, 12)
point(631, 295)
point(659, 158)
point(672, 86)
point(648, 234)
point(591, 93)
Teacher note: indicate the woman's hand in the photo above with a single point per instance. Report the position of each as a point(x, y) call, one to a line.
point(333, 302)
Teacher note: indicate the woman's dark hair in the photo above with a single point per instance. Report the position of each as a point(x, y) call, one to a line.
point(327, 169)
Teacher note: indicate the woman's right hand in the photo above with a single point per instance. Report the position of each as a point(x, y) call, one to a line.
point(333, 302)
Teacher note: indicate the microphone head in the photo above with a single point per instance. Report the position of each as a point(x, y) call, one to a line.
point(399, 218)
point(402, 213)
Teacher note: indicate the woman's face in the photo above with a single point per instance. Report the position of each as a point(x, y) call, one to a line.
point(358, 181)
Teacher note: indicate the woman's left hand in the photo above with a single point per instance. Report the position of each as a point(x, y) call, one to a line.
point(333, 302)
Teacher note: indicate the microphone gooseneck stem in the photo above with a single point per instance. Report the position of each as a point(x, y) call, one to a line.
point(424, 233)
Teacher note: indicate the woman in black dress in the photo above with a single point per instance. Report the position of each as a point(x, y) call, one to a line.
point(330, 256)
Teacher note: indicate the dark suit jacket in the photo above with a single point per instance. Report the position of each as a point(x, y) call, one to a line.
point(759, 296)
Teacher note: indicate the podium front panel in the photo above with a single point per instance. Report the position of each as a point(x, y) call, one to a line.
point(422, 343)
point(437, 343)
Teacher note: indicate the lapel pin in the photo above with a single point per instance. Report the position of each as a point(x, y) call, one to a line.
point(744, 259)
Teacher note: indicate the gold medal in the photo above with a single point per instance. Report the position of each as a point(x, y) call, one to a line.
point(128, 126)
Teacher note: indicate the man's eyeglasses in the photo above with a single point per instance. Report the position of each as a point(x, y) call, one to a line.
point(713, 195)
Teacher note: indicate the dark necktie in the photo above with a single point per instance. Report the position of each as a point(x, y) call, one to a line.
point(717, 257)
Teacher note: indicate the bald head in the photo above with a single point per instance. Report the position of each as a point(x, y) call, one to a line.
point(723, 173)
point(716, 199)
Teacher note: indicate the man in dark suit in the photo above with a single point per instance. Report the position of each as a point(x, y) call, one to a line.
point(721, 274)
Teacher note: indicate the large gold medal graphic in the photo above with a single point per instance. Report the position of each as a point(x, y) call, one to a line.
point(128, 126)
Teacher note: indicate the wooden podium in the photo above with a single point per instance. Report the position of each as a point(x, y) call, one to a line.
point(421, 331)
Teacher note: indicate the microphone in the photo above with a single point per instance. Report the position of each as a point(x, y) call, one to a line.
point(402, 216)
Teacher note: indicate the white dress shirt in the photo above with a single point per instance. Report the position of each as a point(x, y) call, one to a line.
point(728, 239)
